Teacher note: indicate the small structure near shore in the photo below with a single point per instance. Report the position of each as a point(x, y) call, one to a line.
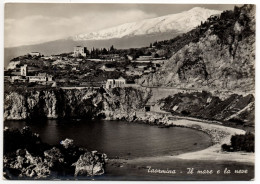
point(149, 106)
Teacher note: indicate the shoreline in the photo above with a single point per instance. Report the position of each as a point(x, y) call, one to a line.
point(219, 135)
point(211, 155)
point(214, 152)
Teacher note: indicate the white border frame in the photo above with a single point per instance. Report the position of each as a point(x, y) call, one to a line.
point(257, 84)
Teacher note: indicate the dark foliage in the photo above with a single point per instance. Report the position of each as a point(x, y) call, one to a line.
point(241, 143)
point(23, 139)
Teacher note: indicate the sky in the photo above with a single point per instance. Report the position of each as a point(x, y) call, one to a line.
point(32, 23)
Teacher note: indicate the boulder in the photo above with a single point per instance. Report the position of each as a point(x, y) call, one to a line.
point(53, 156)
point(90, 164)
point(67, 143)
point(27, 165)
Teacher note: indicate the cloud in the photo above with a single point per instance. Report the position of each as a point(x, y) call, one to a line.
point(38, 28)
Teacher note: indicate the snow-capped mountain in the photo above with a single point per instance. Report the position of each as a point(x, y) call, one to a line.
point(181, 22)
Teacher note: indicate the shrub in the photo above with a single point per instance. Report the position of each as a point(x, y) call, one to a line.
point(241, 143)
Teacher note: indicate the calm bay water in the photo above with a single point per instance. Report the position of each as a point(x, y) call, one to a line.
point(119, 138)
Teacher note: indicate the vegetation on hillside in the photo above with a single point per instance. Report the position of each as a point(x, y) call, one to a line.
point(241, 143)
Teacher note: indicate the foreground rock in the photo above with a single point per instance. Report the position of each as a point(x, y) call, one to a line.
point(27, 165)
point(89, 164)
point(41, 161)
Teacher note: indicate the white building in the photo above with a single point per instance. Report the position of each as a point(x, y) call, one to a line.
point(144, 58)
point(42, 77)
point(34, 53)
point(80, 51)
point(24, 70)
point(113, 83)
point(37, 78)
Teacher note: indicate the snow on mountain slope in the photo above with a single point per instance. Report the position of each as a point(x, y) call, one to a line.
point(181, 22)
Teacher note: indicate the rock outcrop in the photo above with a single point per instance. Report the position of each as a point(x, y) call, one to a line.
point(89, 164)
point(37, 160)
point(222, 58)
point(233, 108)
point(27, 166)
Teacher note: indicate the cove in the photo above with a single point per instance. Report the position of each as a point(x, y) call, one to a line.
point(119, 138)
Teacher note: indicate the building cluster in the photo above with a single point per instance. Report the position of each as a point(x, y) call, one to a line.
point(25, 77)
point(72, 62)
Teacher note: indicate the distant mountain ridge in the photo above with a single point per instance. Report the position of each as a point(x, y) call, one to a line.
point(180, 22)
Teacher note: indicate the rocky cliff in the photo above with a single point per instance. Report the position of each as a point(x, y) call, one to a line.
point(73, 103)
point(128, 104)
point(234, 108)
point(220, 58)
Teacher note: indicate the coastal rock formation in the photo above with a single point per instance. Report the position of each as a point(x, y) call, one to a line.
point(15, 106)
point(73, 103)
point(90, 164)
point(128, 104)
point(234, 108)
point(27, 165)
point(53, 157)
point(25, 156)
point(67, 143)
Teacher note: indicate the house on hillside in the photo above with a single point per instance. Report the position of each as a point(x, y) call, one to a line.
point(113, 83)
point(24, 70)
point(80, 51)
point(144, 58)
point(41, 77)
point(34, 54)
point(120, 83)
point(111, 57)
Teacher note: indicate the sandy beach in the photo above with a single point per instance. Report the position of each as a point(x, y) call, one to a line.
point(220, 135)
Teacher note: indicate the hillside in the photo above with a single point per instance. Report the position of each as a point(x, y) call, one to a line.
point(130, 35)
point(219, 54)
point(66, 45)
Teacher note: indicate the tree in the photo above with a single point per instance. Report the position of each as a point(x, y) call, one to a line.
point(104, 51)
point(112, 49)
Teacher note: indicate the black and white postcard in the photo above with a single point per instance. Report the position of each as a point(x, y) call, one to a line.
point(129, 92)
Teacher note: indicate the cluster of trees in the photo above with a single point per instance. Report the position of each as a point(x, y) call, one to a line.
point(95, 53)
point(241, 143)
